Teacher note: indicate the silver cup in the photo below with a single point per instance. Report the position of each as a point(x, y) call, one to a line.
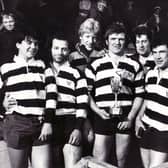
point(116, 84)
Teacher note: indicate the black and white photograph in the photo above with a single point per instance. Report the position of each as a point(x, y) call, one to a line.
point(83, 84)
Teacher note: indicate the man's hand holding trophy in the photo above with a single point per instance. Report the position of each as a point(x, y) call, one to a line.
point(116, 85)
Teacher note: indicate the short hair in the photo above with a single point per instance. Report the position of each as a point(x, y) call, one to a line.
point(117, 27)
point(90, 25)
point(57, 35)
point(160, 39)
point(103, 2)
point(8, 14)
point(142, 30)
point(27, 34)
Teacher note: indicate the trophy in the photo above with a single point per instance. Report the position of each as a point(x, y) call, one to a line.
point(116, 84)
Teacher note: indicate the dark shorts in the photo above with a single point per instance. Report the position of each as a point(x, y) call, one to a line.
point(155, 140)
point(62, 129)
point(22, 131)
point(109, 127)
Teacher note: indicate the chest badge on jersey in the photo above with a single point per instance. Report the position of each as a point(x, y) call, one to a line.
point(69, 83)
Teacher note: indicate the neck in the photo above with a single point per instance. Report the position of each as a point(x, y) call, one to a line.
point(144, 55)
point(25, 58)
point(58, 64)
point(118, 55)
point(115, 57)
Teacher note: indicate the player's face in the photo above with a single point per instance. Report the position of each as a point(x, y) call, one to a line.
point(101, 5)
point(28, 48)
point(59, 50)
point(142, 45)
point(88, 40)
point(160, 54)
point(116, 43)
point(8, 22)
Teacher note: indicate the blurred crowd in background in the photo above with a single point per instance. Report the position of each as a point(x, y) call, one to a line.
point(47, 16)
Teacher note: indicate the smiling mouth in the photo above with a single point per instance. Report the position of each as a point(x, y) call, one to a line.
point(159, 62)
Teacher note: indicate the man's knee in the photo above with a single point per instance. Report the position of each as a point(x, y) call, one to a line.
point(72, 154)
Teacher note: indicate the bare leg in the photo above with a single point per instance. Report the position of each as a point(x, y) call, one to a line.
point(157, 158)
point(88, 138)
point(41, 156)
point(88, 132)
point(102, 147)
point(18, 157)
point(72, 154)
point(145, 155)
point(122, 147)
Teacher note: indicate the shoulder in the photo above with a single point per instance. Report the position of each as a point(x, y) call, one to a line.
point(40, 63)
point(133, 61)
point(75, 55)
point(151, 73)
point(8, 66)
point(101, 53)
point(71, 71)
point(100, 61)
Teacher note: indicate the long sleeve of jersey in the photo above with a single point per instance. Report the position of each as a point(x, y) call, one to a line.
point(81, 97)
point(2, 110)
point(51, 95)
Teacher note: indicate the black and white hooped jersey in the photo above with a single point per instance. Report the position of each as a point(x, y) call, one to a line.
point(99, 75)
point(156, 86)
point(31, 84)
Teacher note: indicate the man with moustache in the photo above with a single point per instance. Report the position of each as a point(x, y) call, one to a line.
point(72, 101)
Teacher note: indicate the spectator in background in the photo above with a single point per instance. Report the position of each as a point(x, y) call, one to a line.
point(102, 12)
point(131, 16)
point(143, 39)
point(84, 10)
point(155, 20)
point(8, 37)
point(151, 122)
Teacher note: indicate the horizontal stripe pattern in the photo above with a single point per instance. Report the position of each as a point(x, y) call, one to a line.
point(101, 71)
point(156, 114)
point(72, 92)
point(32, 85)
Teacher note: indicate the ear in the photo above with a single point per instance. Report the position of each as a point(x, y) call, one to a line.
point(106, 42)
point(80, 37)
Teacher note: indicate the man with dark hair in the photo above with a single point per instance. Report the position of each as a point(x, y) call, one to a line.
point(72, 102)
point(151, 122)
point(30, 102)
point(117, 81)
point(143, 40)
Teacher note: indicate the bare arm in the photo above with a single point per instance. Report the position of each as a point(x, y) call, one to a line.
point(101, 112)
point(138, 122)
point(137, 103)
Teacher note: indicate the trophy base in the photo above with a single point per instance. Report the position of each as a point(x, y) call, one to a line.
point(115, 112)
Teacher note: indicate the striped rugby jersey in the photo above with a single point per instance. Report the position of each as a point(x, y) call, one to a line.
point(156, 113)
point(32, 85)
point(72, 91)
point(102, 70)
point(147, 62)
